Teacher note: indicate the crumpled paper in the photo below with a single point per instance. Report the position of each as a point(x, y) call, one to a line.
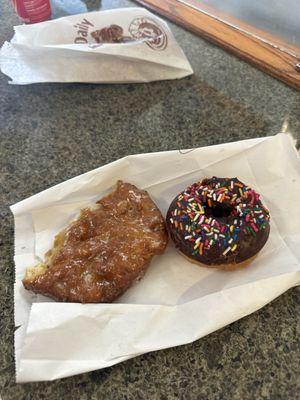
point(113, 46)
point(176, 302)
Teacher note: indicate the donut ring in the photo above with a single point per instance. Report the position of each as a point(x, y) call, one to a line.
point(218, 222)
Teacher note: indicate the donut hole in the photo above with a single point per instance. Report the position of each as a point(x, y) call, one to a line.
point(218, 211)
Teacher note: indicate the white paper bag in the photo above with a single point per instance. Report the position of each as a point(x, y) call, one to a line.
point(176, 302)
point(114, 46)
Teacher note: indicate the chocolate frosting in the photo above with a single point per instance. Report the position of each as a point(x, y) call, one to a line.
point(218, 221)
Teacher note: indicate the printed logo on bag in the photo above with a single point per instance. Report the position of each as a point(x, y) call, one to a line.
point(149, 30)
point(110, 34)
point(142, 29)
point(82, 31)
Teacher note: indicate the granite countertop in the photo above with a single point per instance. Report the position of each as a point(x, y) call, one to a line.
point(52, 132)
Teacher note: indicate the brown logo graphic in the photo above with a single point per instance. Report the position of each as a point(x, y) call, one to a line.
point(147, 29)
point(111, 34)
point(142, 29)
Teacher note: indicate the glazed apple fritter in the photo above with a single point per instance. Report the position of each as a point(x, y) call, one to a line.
point(99, 256)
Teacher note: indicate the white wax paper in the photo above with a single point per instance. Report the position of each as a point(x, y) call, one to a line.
point(63, 50)
point(176, 302)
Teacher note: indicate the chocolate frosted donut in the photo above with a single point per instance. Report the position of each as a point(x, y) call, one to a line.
point(218, 222)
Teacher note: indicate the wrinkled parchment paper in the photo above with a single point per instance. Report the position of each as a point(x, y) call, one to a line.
point(64, 50)
point(176, 302)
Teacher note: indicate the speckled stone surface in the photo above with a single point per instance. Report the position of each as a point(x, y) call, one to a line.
point(50, 133)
